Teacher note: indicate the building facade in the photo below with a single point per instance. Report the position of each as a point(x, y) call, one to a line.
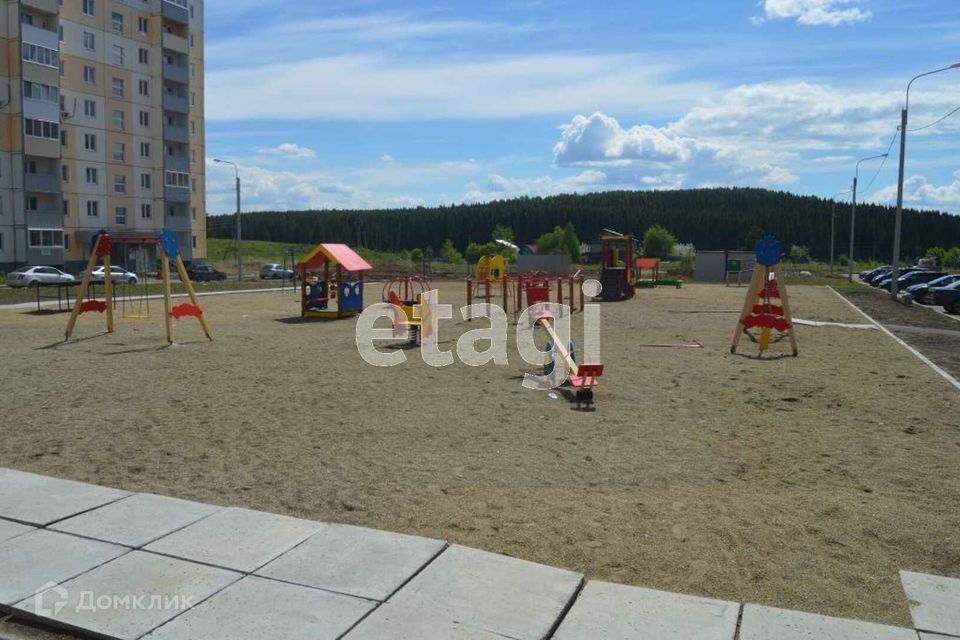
point(101, 127)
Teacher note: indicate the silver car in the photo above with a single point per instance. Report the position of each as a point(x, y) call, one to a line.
point(35, 276)
point(275, 271)
point(116, 275)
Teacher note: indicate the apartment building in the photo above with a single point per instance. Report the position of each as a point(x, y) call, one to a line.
point(101, 127)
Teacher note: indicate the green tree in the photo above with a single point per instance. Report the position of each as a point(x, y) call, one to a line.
point(503, 232)
point(658, 242)
point(450, 254)
point(799, 253)
point(939, 254)
point(416, 255)
point(952, 258)
point(571, 243)
point(551, 243)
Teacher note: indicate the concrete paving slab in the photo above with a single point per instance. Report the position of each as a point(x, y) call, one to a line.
point(39, 500)
point(10, 529)
point(37, 560)
point(397, 622)
point(768, 623)
point(606, 611)
point(490, 592)
point(238, 539)
point(934, 602)
point(354, 560)
point(128, 597)
point(136, 520)
point(934, 636)
point(257, 608)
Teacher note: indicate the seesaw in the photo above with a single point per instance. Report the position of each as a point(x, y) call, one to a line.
point(583, 377)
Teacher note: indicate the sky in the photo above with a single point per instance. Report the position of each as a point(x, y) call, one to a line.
point(379, 103)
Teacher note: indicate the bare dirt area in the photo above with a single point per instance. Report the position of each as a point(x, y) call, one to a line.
point(935, 335)
point(798, 482)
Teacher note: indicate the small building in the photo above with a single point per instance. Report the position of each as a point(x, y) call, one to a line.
point(714, 266)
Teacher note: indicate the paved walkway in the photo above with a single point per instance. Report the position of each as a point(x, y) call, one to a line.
point(105, 563)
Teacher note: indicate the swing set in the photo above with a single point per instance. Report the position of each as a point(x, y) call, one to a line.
point(136, 307)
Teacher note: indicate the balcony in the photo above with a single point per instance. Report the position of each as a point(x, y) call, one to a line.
point(177, 194)
point(176, 43)
point(45, 218)
point(180, 163)
point(42, 37)
point(176, 73)
point(175, 12)
point(46, 6)
point(41, 147)
point(175, 103)
point(176, 133)
point(42, 183)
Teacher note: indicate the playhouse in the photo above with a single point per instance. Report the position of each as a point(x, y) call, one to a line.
point(331, 282)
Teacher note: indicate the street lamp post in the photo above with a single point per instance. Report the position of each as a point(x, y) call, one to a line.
point(833, 224)
point(903, 152)
point(236, 170)
point(853, 211)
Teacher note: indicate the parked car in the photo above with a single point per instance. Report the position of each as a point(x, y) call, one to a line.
point(203, 272)
point(117, 274)
point(919, 291)
point(34, 276)
point(275, 271)
point(869, 273)
point(947, 297)
point(914, 277)
point(885, 274)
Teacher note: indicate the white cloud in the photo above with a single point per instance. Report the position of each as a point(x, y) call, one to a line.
point(290, 150)
point(376, 86)
point(503, 188)
point(812, 12)
point(266, 189)
point(917, 191)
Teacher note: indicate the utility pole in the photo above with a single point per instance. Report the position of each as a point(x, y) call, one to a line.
point(833, 224)
point(853, 212)
point(239, 245)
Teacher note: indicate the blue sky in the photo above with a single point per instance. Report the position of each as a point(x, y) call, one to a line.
point(376, 103)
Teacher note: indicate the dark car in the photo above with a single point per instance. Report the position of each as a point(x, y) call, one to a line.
point(869, 273)
point(946, 297)
point(885, 275)
point(919, 291)
point(204, 273)
point(914, 277)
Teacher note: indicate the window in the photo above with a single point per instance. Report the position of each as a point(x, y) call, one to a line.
point(142, 25)
point(116, 21)
point(93, 209)
point(193, 127)
point(144, 118)
point(30, 166)
point(63, 137)
point(193, 212)
point(88, 7)
point(144, 149)
point(60, 31)
point(194, 237)
point(120, 215)
point(193, 156)
point(89, 41)
point(117, 55)
point(89, 75)
point(143, 87)
point(66, 241)
point(65, 172)
point(92, 175)
point(90, 141)
point(1, 242)
point(90, 108)
point(193, 185)
point(66, 208)
point(118, 87)
point(41, 129)
point(40, 55)
point(26, 19)
point(119, 151)
point(118, 119)
point(143, 55)
point(145, 180)
point(30, 203)
point(46, 238)
point(177, 179)
point(38, 91)
point(193, 98)
point(119, 184)
point(145, 211)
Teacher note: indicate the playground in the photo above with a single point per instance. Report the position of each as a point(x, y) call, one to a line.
point(802, 482)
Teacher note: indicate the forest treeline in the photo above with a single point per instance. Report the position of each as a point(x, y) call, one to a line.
point(722, 218)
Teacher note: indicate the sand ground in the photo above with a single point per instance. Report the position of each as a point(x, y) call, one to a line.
point(799, 482)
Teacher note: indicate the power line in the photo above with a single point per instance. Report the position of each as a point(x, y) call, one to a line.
point(884, 161)
point(927, 126)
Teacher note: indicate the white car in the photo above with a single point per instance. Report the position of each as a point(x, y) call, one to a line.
point(116, 274)
point(34, 276)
